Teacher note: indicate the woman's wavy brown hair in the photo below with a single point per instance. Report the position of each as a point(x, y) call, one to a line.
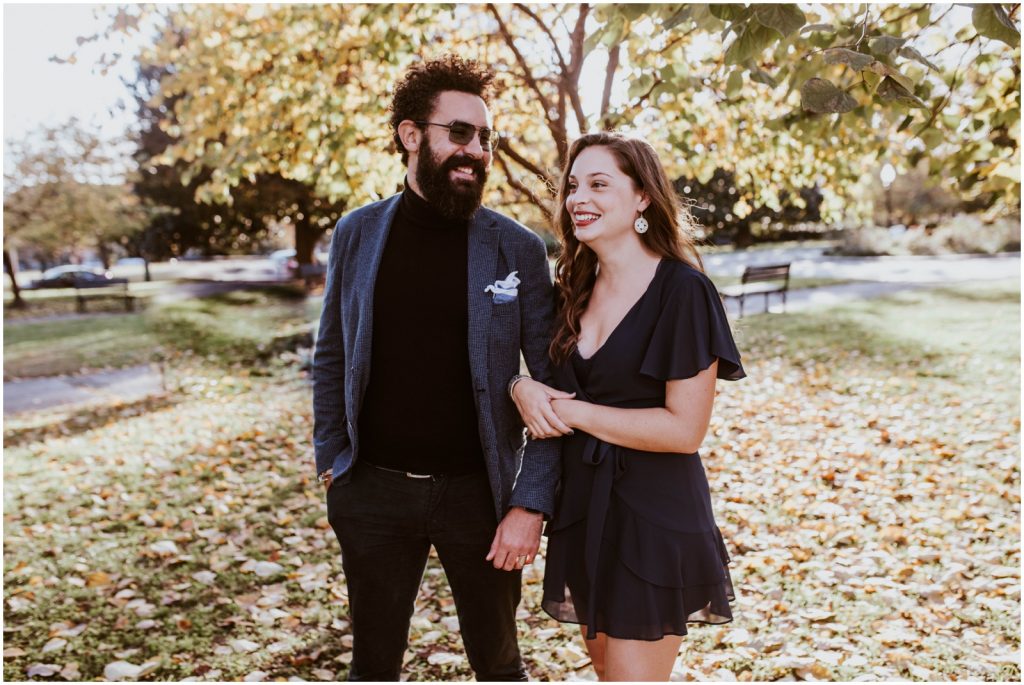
point(669, 235)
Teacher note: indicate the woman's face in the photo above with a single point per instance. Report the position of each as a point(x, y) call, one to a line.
point(602, 201)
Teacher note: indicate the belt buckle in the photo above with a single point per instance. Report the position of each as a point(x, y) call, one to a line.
point(410, 474)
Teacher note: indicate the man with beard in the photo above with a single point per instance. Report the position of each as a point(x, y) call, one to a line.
point(429, 301)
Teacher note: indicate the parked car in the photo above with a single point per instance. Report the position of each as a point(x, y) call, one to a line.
point(285, 263)
point(287, 266)
point(74, 276)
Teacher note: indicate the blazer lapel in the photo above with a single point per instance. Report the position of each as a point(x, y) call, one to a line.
point(373, 236)
point(483, 262)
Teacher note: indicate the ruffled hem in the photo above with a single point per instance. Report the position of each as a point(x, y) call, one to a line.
point(651, 582)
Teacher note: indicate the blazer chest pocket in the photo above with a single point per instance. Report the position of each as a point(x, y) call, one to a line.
point(505, 308)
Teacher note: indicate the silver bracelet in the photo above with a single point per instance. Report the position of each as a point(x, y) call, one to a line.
point(512, 383)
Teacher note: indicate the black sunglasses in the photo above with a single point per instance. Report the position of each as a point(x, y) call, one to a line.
point(461, 133)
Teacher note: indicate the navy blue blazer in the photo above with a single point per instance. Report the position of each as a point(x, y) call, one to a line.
point(521, 473)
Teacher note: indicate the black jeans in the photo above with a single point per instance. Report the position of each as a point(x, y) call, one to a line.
point(386, 523)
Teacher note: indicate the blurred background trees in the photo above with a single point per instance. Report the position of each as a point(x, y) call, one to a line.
point(59, 197)
point(253, 116)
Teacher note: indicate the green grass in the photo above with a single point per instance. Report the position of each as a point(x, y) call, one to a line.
point(70, 345)
point(902, 411)
point(942, 332)
point(242, 325)
point(238, 325)
point(55, 302)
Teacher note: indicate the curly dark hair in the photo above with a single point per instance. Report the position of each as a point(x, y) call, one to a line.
point(416, 94)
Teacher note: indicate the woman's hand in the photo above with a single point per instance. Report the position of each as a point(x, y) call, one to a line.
point(571, 412)
point(533, 400)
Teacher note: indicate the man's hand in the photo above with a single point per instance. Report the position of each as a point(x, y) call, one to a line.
point(327, 477)
point(533, 400)
point(517, 539)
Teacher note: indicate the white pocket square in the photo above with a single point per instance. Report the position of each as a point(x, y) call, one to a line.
point(505, 290)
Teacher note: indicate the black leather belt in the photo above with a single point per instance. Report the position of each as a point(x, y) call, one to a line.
point(407, 474)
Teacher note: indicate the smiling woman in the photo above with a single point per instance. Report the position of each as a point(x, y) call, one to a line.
point(634, 553)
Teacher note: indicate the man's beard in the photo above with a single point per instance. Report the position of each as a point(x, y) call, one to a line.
point(456, 200)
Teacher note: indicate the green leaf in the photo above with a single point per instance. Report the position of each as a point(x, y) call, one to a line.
point(701, 15)
point(641, 86)
point(784, 18)
point(633, 10)
point(822, 97)
point(676, 18)
point(735, 83)
point(883, 69)
point(854, 60)
point(762, 76)
point(593, 40)
point(615, 32)
point(749, 44)
point(907, 121)
point(923, 16)
point(992, 21)
point(883, 45)
point(890, 90)
point(912, 53)
point(932, 137)
point(730, 12)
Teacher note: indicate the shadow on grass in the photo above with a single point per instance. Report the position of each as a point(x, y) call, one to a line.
point(992, 296)
point(954, 334)
point(65, 425)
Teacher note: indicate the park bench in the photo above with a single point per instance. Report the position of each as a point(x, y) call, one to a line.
point(760, 280)
point(99, 291)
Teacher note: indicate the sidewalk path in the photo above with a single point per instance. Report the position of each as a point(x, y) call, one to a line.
point(126, 385)
point(825, 296)
point(875, 276)
point(811, 262)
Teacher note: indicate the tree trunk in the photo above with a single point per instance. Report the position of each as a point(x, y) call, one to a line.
point(145, 265)
point(104, 255)
point(9, 268)
point(306, 235)
point(743, 237)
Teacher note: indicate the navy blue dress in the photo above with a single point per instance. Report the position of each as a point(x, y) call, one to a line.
point(633, 549)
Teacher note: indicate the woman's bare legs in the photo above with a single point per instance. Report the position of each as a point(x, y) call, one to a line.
point(638, 660)
point(597, 648)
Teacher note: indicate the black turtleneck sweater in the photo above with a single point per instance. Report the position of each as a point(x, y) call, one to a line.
point(419, 412)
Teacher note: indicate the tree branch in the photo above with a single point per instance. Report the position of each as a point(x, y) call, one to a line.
point(527, 72)
point(525, 163)
point(864, 27)
point(525, 9)
point(577, 40)
point(901, 17)
point(522, 188)
point(952, 84)
point(609, 78)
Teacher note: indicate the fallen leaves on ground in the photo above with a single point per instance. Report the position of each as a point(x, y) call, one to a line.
point(871, 507)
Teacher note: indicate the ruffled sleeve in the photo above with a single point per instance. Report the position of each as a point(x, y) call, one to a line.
point(692, 330)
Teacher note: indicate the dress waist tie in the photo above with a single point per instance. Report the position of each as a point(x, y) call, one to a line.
point(610, 465)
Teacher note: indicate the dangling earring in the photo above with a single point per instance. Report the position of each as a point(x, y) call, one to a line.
point(641, 225)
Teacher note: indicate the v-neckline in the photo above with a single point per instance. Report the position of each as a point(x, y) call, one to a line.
point(625, 316)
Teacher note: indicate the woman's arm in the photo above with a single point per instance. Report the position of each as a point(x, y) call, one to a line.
point(533, 400)
point(679, 426)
